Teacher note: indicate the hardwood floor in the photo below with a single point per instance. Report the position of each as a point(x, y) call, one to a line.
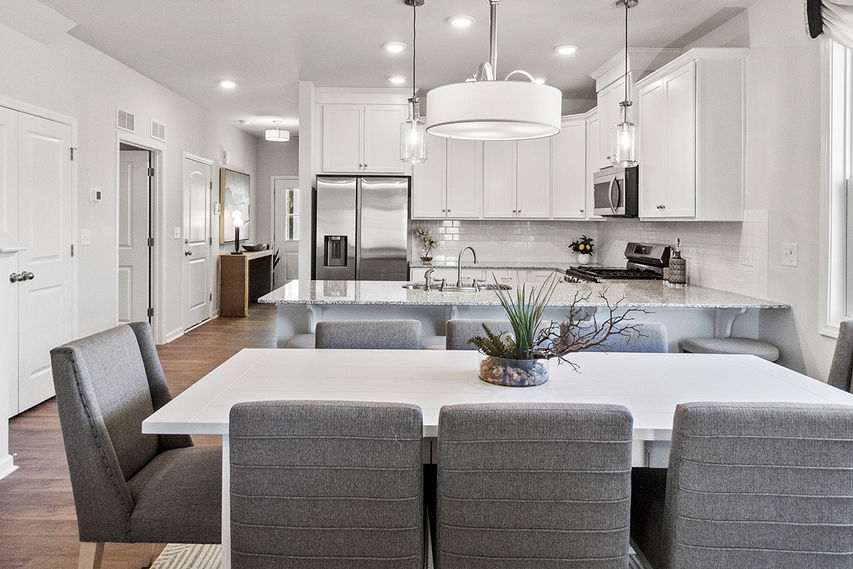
point(38, 525)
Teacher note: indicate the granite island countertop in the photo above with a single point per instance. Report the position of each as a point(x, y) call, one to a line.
point(633, 294)
point(495, 265)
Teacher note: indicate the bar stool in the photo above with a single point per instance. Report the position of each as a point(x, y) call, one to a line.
point(764, 350)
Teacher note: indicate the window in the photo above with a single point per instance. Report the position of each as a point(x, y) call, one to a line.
point(837, 183)
point(291, 232)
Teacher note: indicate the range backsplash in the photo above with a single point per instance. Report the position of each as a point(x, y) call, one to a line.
point(727, 256)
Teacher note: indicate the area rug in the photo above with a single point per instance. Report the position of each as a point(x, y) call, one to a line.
point(189, 556)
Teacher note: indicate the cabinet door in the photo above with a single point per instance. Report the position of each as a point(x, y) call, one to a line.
point(342, 131)
point(429, 181)
point(608, 116)
point(533, 178)
point(652, 148)
point(499, 177)
point(680, 88)
point(464, 179)
point(382, 138)
point(592, 136)
point(568, 167)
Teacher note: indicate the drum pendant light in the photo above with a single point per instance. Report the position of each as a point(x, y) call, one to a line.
point(625, 131)
point(485, 108)
point(413, 129)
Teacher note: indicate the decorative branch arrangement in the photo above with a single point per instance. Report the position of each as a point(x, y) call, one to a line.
point(531, 340)
point(429, 242)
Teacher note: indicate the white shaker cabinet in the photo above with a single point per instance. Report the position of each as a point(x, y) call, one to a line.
point(569, 170)
point(449, 183)
point(608, 115)
point(499, 171)
point(691, 137)
point(517, 179)
point(361, 138)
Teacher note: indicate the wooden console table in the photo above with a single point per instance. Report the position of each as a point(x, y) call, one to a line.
point(243, 278)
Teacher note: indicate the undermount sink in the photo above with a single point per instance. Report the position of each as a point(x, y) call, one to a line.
point(485, 286)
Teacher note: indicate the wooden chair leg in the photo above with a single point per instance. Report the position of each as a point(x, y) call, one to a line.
point(91, 554)
point(151, 555)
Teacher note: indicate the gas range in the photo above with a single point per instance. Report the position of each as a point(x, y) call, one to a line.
point(645, 262)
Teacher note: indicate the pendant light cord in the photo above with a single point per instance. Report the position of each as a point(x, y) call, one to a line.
point(414, 50)
point(627, 5)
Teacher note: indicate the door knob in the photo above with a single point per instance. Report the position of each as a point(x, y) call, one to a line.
point(188, 254)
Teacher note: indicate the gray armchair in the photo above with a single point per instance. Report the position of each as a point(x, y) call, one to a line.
point(841, 372)
point(129, 487)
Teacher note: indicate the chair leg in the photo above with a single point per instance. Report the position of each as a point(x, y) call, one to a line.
point(91, 554)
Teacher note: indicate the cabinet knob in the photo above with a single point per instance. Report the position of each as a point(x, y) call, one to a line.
point(29, 276)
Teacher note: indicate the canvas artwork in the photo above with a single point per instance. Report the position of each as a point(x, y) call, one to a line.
point(234, 195)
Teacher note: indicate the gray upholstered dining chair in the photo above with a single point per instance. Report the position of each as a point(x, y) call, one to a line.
point(755, 485)
point(459, 330)
point(369, 334)
point(841, 372)
point(129, 487)
point(522, 486)
point(328, 484)
point(652, 338)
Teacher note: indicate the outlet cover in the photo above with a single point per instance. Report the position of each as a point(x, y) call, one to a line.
point(789, 255)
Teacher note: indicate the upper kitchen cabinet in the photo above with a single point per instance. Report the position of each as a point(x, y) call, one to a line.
point(449, 184)
point(691, 137)
point(569, 170)
point(359, 132)
point(517, 179)
point(610, 86)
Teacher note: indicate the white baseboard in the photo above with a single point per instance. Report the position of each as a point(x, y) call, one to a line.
point(7, 466)
point(173, 335)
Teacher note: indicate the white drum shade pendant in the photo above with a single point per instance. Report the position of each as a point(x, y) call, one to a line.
point(484, 108)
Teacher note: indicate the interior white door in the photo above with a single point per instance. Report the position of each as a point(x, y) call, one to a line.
point(45, 202)
point(8, 263)
point(133, 232)
point(197, 265)
point(286, 230)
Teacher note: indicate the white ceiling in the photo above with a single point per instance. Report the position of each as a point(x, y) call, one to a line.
point(267, 46)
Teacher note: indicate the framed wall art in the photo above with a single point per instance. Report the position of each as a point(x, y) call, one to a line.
point(234, 194)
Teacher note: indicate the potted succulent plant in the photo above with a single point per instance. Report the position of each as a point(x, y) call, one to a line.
point(584, 248)
point(521, 359)
point(429, 243)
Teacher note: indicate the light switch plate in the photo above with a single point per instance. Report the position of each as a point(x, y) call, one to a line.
point(177, 232)
point(789, 255)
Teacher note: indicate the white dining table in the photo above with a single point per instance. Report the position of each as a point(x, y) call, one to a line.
point(649, 385)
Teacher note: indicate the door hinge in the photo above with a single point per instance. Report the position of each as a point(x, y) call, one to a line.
point(72, 249)
point(210, 240)
point(150, 172)
point(211, 184)
point(150, 312)
point(211, 296)
point(150, 241)
point(73, 150)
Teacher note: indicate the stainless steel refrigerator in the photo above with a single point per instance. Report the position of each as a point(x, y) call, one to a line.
point(361, 228)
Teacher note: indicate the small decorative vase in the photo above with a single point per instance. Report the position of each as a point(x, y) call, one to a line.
point(426, 260)
point(584, 258)
point(425, 254)
point(513, 373)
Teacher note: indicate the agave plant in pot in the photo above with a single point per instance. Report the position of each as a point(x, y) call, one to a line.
point(521, 359)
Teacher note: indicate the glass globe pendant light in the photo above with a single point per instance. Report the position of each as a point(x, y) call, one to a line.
point(413, 129)
point(626, 131)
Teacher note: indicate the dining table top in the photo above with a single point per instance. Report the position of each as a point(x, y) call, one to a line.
point(649, 385)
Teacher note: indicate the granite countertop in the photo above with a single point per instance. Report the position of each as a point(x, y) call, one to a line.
point(519, 265)
point(634, 294)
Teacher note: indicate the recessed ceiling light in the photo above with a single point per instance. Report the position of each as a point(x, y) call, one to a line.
point(566, 49)
point(461, 21)
point(539, 80)
point(397, 80)
point(228, 84)
point(394, 46)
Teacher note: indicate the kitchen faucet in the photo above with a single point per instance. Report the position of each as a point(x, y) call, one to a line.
point(459, 265)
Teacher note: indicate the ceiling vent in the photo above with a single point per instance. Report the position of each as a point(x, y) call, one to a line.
point(125, 120)
point(158, 131)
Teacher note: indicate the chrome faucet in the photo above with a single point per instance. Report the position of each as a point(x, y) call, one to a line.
point(459, 264)
point(428, 278)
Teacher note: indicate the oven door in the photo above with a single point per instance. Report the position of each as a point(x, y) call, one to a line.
point(609, 193)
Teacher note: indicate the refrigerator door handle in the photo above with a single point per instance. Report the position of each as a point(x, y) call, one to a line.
point(358, 202)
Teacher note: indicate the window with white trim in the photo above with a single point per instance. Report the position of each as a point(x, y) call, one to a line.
point(838, 186)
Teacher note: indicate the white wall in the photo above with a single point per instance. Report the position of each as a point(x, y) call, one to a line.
point(72, 78)
point(274, 159)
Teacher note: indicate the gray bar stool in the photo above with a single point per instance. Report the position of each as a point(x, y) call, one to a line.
point(764, 350)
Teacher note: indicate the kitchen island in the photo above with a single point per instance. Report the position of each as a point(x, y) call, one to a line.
point(687, 312)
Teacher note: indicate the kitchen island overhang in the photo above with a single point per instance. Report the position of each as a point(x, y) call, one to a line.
point(687, 312)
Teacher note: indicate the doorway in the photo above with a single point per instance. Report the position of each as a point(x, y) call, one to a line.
point(285, 226)
point(135, 234)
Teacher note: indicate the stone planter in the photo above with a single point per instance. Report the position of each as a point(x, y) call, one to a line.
point(513, 373)
point(584, 258)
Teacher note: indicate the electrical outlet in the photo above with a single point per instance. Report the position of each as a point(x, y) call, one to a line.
point(789, 254)
point(85, 237)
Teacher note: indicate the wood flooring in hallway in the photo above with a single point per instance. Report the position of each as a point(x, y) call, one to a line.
point(38, 525)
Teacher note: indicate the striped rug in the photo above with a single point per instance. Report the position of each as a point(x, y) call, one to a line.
point(189, 556)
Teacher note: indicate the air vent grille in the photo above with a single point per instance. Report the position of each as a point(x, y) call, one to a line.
point(158, 131)
point(125, 120)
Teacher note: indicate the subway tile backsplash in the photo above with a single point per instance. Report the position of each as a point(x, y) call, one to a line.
point(721, 255)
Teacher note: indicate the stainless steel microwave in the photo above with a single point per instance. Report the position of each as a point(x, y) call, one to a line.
point(616, 191)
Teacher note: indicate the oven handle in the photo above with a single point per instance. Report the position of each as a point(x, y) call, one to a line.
point(610, 191)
